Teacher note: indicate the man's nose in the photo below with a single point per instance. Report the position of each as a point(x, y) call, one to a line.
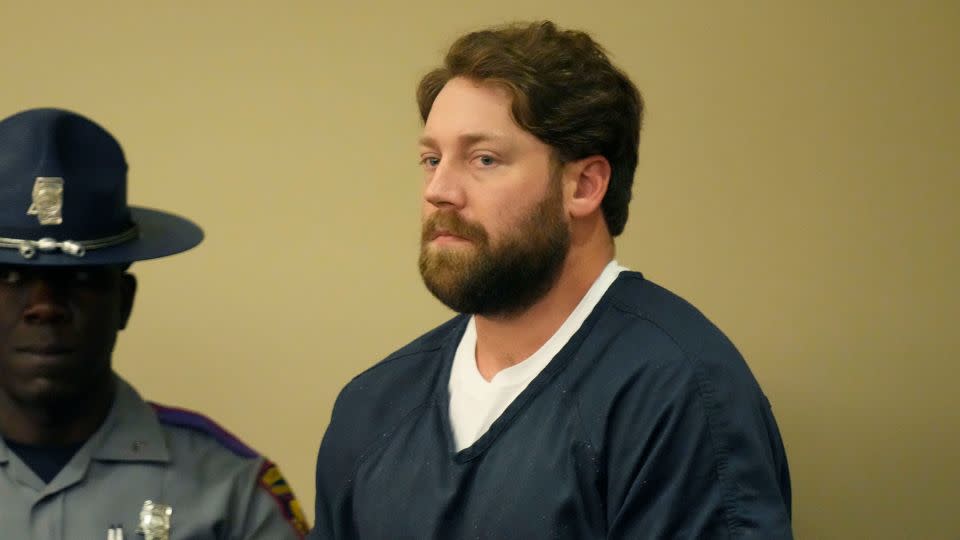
point(46, 303)
point(444, 188)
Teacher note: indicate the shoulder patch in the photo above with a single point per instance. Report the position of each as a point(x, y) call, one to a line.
point(271, 480)
point(173, 416)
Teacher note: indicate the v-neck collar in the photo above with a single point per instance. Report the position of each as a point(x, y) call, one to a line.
point(536, 386)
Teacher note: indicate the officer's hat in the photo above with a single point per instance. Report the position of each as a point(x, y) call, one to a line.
point(63, 197)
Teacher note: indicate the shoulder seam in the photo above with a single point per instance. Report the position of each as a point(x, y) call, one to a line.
point(402, 353)
point(392, 357)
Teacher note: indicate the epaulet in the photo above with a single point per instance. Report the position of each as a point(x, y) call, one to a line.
point(173, 416)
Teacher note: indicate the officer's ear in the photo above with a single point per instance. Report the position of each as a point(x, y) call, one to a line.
point(128, 290)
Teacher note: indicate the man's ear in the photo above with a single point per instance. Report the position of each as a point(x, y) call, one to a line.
point(588, 181)
point(128, 290)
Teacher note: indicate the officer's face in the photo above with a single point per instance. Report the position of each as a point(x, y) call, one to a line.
point(57, 330)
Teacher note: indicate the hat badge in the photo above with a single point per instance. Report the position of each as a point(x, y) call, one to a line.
point(47, 200)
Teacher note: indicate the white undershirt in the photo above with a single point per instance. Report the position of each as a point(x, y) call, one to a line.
point(476, 403)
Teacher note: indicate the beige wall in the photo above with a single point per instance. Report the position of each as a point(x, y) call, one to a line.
point(798, 182)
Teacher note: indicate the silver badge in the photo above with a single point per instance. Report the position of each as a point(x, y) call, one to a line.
point(47, 200)
point(155, 521)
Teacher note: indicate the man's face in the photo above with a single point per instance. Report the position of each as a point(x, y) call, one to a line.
point(58, 327)
point(495, 234)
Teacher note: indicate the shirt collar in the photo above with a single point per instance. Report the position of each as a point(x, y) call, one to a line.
point(131, 431)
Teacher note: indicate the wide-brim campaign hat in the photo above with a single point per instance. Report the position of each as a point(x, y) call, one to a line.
point(63, 197)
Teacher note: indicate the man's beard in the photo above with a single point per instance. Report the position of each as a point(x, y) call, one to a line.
point(501, 280)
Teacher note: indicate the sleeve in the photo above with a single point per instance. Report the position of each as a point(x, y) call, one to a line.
point(692, 458)
point(334, 467)
point(269, 509)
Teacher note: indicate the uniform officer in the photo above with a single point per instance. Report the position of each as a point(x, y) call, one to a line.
point(82, 455)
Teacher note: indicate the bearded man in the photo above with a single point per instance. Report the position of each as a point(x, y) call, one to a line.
point(571, 398)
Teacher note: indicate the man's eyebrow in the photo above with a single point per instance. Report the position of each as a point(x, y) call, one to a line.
point(466, 139)
point(426, 141)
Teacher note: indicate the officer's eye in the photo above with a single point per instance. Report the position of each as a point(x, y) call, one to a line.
point(91, 277)
point(82, 276)
point(10, 276)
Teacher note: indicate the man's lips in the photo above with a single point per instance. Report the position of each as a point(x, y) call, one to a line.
point(447, 236)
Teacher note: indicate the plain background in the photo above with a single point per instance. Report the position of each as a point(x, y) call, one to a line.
point(798, 183)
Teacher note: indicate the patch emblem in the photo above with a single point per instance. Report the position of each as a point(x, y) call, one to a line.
point(47, 200)
point(271, 480)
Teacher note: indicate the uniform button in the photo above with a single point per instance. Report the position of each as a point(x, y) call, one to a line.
point(137, 446)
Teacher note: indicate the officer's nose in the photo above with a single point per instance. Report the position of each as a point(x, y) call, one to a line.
point(46, 303)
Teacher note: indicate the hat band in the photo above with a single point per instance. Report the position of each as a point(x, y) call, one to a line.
point(29, 248)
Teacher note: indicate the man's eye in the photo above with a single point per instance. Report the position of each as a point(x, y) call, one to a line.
point(10, 276)
point(487, 161)
point(430, 162)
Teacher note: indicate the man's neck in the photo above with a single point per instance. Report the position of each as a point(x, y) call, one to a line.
point(54, 424)
point(506, 341)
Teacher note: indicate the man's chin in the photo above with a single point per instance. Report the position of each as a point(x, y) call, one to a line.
point(457, 254)
point(445, 263)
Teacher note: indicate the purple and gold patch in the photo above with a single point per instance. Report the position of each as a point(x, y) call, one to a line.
point(271, 480)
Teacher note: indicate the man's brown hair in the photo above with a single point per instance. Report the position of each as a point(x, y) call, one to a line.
point(565, 91)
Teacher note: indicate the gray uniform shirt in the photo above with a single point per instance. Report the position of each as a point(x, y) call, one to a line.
point(217, 488)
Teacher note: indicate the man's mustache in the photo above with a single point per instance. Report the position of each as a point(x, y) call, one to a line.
point(452, 223)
